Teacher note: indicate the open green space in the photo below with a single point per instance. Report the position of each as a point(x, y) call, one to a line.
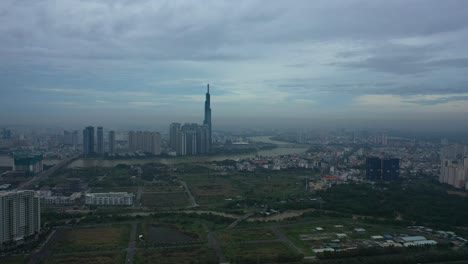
point(96, 238)
point(270, 252)
point(166, 200)
point(245, 234)
point(95, 258)
point(14, 260)
point(183, 255)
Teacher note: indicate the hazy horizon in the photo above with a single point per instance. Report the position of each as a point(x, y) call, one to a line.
point(301, 64)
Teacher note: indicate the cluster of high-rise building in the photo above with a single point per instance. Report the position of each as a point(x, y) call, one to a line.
point(382, 169)
point(145, 141)
point(192, 138)
point(454, 166)
point(19, 216)
point(89, 147)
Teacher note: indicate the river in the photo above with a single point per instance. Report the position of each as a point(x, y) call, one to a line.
point(195, 159)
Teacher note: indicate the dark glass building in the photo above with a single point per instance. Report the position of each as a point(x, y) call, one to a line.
point(207, 120)
point(88, 141)
point(386, 169)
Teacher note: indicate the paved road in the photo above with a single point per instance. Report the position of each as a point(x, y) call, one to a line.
point(131, 244)
point(189, 193)
point(138, 197)
point(240, 219)
point(45, 174)
point(40, 253)
point(213, 242)
point(285, 239)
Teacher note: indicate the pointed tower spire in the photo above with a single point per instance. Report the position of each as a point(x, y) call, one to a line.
point(208, 86)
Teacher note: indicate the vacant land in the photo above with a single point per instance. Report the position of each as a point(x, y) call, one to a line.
point(101, 258)
point(99, 238)
point(185, 255)
point(246, 234)
point(269, 252)
point(165, 200)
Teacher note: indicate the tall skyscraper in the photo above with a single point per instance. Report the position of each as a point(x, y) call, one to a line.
point(174, 131)
point(386, 169)
point(100, 141)
point(88, 141)
point(20, 215)
point(111, 142)
point(207, 120)
point(145, 141)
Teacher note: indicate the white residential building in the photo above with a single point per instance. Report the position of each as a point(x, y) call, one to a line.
point(109, 199)
point(19, 215)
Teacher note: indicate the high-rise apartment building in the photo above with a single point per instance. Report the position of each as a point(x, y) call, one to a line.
point(19, 215)
point(174, 130)
point(145, 141)
point(386, 169)
point(454, 166)
point(28, 163)
point(111, 142)
point(88, 141)
point(100, 141)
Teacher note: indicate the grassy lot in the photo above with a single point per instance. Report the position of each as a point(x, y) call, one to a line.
point(276, 252)
point(245, 234)
point(163, 188)
point(185, 255)
point(170, 199)
point(212, 190)
point(101, 258)
point(99, 238)
point(14, 260)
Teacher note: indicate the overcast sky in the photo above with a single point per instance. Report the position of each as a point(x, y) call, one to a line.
point(137, 62)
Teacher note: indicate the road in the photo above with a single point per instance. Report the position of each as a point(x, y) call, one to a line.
point(189, 193)
point(240, 219)
point(213, 242)
point(285, 239)
point(131, 244)
point(45, 174)
point(138, 197)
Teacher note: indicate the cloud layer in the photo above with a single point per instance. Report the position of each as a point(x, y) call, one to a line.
point(267, 59)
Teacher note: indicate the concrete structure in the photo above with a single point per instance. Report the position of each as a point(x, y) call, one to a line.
point(100, 141)
point(145, 141)
point(28, 163)
point(19, 215)
point(385, 169)
point(109, 199)
point(111, 140)
point(174, 131)
point(88, 141)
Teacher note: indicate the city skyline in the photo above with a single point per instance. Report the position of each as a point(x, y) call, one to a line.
point(306, 62)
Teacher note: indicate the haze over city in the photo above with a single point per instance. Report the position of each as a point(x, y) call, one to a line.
point(389, 64)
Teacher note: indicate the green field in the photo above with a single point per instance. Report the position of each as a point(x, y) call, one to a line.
point(245, 234)
point(92, 239)
point(101, 258)
point(269, 252)
point(166, 200)
point(185, 255)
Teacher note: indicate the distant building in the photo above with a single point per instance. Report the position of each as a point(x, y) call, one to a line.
point(19, 216)
point(70, 138)
point(145, 141)
point(386, 169)
point(28, 163)
point(88, 141)
point(109, 199)
point(100, 141)
point(6, 134)
point(111, 142)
